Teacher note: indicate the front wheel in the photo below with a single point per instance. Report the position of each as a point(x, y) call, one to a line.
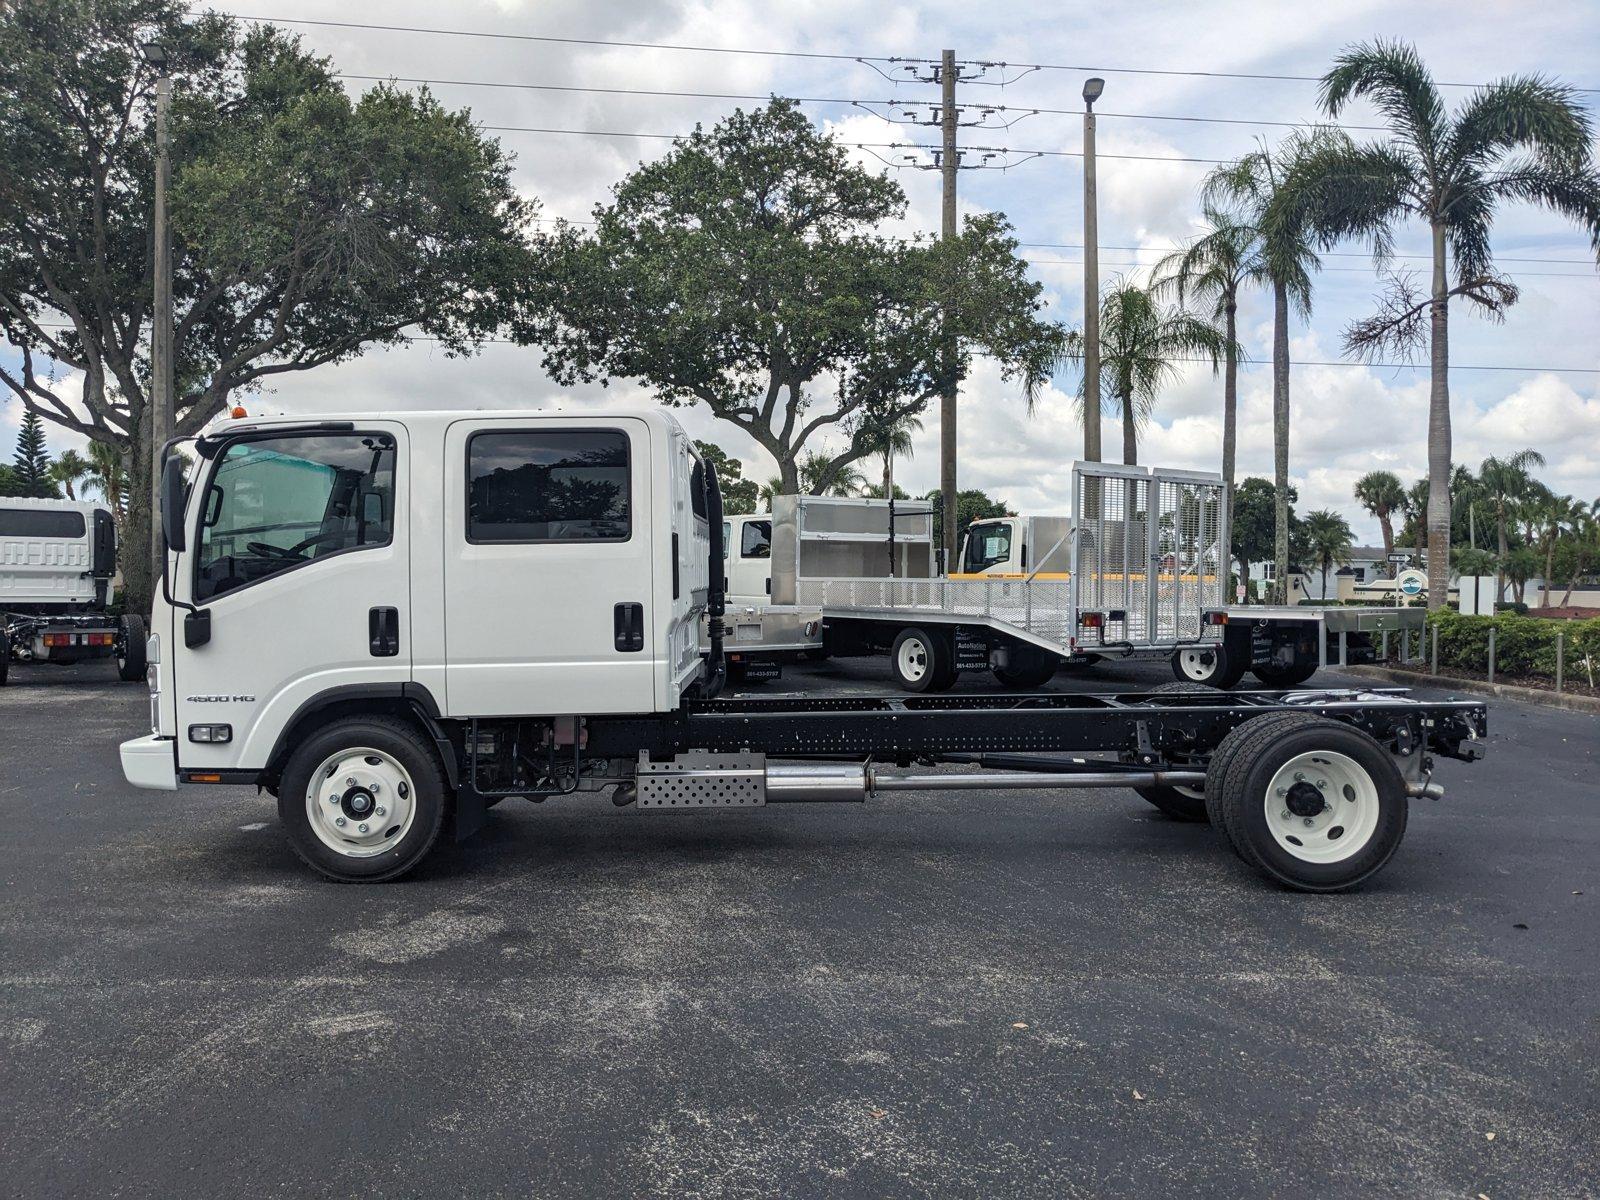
point(363, 800)
point(1312, 803)
point(1210, 664)
point(131, 636)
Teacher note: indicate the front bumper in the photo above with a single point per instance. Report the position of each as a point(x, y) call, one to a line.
point(148, 762)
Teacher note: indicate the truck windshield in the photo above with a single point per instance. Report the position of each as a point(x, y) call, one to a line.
point(275, 503)
point(986, 545)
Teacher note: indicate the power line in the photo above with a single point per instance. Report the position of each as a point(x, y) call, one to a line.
point(811, 54)
point(569, 41)
point(1019, 110)
point(1259, 76)
point(622, 133)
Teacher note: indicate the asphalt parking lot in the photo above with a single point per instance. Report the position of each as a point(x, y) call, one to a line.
point(989, 994)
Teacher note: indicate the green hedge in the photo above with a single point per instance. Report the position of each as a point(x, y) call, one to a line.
point(1523, 645)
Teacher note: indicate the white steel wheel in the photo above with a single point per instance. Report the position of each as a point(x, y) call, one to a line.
point(1322, 807)
point(913, 659)
point(360, 802)
point(1199, 664)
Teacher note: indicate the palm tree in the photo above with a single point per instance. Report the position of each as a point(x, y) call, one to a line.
point(1256, 183)
point(820, 477)
point(1585, 530)
point(1210, 272)
point(108, 474)
point(70, 469)
point(1417, 508)
point(1382, 494)
point(1328, 538)
point(1554, 517)
point(1504, 481)
point(1142, 346)
point(890, 442)
point(1522, 138)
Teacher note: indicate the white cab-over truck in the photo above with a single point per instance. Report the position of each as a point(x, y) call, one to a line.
point(57, 562)
point(394, 621)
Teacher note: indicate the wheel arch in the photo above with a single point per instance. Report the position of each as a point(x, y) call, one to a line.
point(408, 701)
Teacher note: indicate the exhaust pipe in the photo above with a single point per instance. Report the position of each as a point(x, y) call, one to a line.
point(856, 782)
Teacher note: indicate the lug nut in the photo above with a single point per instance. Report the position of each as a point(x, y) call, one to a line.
point(333, 799)
point(1283, 791)
point(363, 826)
point(374, 789)
point(1321, 784)
point(1309, 822)
point(339, 821)
point(1285, 814)
point(1299, 777)
point(350, 780)
point(382, 811)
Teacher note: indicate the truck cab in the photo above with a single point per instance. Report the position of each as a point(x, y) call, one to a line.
point(58, 561)
point(1015, 548)
point(461, 564)
point(747, 551)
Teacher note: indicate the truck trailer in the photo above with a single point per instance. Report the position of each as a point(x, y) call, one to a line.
point(447, 610)
point(58, 559)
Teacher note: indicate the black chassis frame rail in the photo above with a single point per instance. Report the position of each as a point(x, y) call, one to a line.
point(1143, 728)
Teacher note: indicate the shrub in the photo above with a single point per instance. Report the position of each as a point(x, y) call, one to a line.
point(1523, 645)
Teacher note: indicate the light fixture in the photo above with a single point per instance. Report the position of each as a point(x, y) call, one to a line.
point(1092, 87)
point(155, 54)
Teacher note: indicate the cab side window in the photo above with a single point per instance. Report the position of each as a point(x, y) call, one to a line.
point(281, 502)
point(757, 540)
point(568, 485)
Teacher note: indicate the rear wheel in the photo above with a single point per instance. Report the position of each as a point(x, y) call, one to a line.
point(131, 636)
point(1312, 803)
point(922, 661)
point(363, 800)
point(1180, 802)
point(1209, 664)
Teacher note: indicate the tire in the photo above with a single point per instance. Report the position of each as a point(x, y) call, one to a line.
point(1210, 664)
point(922, 661)
point(131, 636)
point(1285, 677)
point(1297, 761)
point(1180, 803)
point(408, 769)
point(1033, 668)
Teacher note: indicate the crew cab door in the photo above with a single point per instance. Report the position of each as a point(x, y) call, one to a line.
point(549, 581)
point(298, 558)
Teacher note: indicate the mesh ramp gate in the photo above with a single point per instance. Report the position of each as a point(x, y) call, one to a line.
point(1152, 545)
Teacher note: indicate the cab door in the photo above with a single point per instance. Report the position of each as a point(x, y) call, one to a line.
point(548, 568)
point(299, 560)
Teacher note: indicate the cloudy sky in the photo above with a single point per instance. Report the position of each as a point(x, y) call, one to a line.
point(1347, 419)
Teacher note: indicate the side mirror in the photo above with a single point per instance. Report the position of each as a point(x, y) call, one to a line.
point(172, 498)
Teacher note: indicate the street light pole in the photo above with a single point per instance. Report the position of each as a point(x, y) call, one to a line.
point(160, 418)
point(1091, 280)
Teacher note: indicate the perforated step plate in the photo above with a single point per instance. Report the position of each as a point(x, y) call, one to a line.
point(700, 780)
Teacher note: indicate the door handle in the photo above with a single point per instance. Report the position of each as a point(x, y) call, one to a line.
point(383, 632)
point(627, 623)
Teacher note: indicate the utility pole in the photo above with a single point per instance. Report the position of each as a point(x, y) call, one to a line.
point(1091, 280)
point(160, 415)
point(950, 163)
